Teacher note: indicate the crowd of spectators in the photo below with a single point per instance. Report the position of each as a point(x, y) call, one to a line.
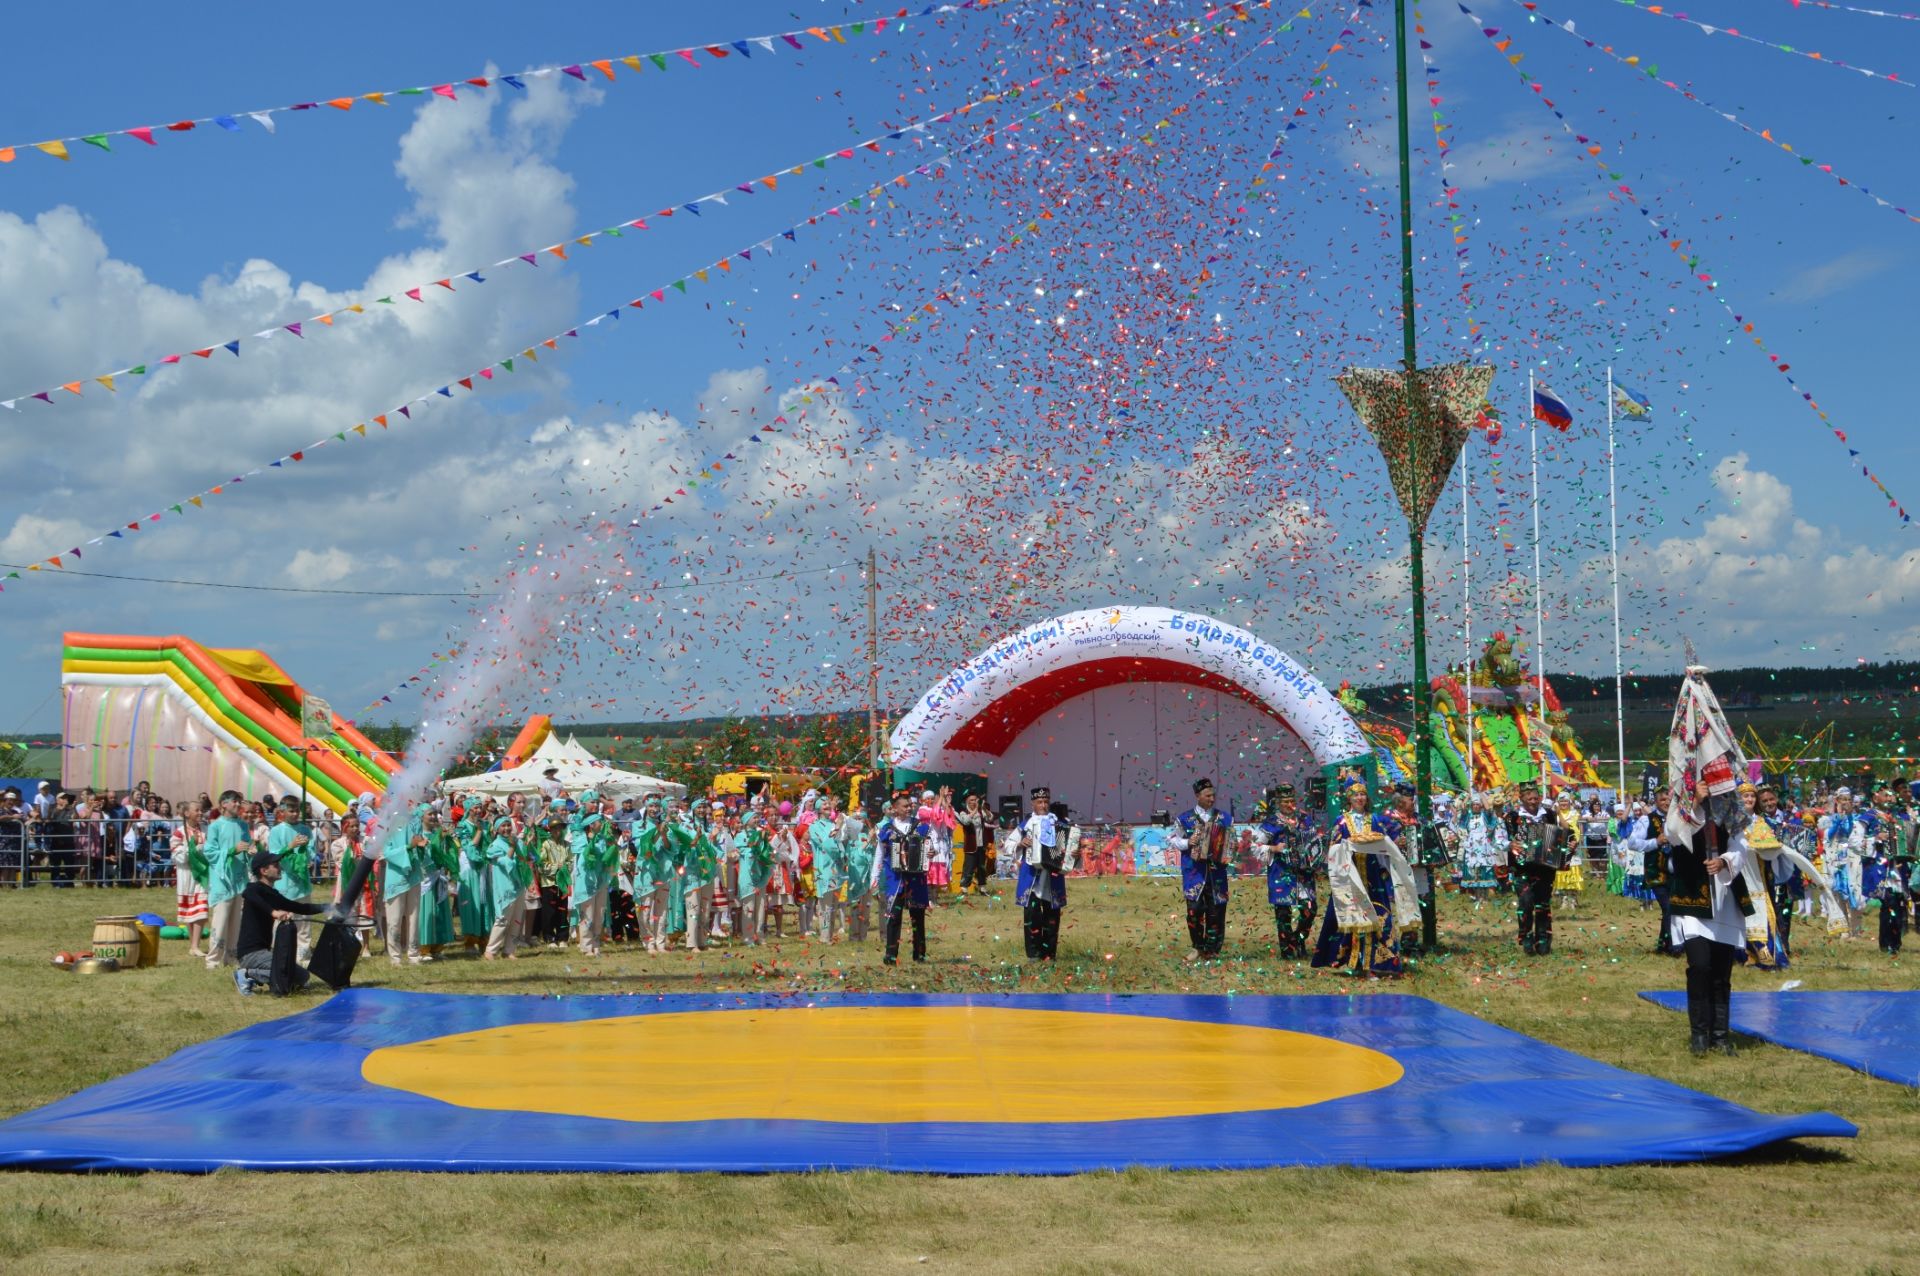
point(95, 837)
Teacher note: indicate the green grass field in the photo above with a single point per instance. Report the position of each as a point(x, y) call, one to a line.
point(1827, 1206)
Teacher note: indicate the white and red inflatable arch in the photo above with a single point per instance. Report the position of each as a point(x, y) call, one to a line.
point(1118, 709)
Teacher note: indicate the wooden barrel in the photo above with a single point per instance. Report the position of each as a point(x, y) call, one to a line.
point(149, 943)
point(118, 938)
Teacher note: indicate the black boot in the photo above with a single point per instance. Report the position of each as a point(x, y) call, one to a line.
point(1700, 1009)
point(892, 957)
point(919, 916)
point(1722, 1037)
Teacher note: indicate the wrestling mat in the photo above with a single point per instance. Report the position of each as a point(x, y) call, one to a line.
point(1038, 1084)
point(1877, 1033)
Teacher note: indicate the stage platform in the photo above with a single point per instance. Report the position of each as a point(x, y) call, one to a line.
point(1010, 1084)
point(1877, 1033)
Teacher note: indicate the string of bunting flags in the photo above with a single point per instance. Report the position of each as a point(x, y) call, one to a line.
point(1016, 574)
point(1652, 72)
point(1681, 248)
point(724, 265)
point(421, 676)
point(1033, 225)
point(449, 283)
point(808, 391)
point(1847, 8)
point(821, 386)
point(1457, 229)
point(1709, 28)
point(1315, 83)
point(584, 71)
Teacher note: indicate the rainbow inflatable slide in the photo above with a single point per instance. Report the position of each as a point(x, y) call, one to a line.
point(190, 719)
point(1507, 733)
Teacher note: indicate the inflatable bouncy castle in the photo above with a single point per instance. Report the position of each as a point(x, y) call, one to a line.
point(190, 719)
point(1507, 734)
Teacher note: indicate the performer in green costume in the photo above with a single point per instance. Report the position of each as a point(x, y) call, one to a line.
point(508, 875)
point(590, 836)
point(227, 849)
point(292, 839)
point(476, 890)
point(436, 888)
point(653, 874)
point(756, 867)
point(829, 867)
point(857, 859)
point(699, 863)
point(404, 854)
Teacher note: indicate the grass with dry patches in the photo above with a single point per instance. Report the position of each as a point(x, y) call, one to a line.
point(1824, 1206)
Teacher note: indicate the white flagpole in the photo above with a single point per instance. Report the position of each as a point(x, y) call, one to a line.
point(1466, 606)
point(1613, 538)
point(1539, 607)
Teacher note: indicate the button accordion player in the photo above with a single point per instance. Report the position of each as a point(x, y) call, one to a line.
point(1544, 842)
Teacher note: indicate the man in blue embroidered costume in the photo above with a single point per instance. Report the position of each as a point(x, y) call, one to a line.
point(1200, 835)
point(903, 876)
point(1043, 845)
point(1371, 901)
point(1287, 844)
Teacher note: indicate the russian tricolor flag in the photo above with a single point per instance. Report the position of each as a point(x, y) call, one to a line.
point(1548, 407)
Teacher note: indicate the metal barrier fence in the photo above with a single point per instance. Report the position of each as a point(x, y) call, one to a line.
point(128, 854)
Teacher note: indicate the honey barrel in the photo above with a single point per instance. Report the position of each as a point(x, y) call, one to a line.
point(118, 938)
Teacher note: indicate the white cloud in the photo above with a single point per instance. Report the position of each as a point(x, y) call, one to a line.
point(33, 538)
point(1837, 275)
point(1765, 585)
point(327, 567)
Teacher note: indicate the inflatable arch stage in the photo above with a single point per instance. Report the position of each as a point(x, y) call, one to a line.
point(1118, 709)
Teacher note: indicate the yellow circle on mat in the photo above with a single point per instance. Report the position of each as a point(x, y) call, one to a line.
point(882, 1064)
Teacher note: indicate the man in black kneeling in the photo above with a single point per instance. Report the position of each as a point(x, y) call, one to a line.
point(261, 909)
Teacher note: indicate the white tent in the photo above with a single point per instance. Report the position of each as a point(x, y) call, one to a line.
point(575, 768)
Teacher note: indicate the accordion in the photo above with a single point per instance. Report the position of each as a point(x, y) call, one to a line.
point(1209, 842)
point(1544, 843)
point(907, 852)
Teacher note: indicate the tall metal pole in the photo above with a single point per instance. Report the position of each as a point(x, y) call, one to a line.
point(873, 661)
point(1466, 609)
point(1539, 607)
point(1613, 540)
point(1416, 565)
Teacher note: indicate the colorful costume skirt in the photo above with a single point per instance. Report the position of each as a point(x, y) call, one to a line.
point(191, 900)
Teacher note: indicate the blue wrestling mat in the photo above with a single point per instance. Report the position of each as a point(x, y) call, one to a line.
point(1040, 1084)
point(1877, 1033)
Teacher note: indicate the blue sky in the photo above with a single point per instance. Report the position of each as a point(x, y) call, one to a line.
point(1745, 527)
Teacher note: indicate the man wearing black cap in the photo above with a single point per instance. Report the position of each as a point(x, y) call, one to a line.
point(1200, 835)
point(1042, 844)
point(261, 907)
